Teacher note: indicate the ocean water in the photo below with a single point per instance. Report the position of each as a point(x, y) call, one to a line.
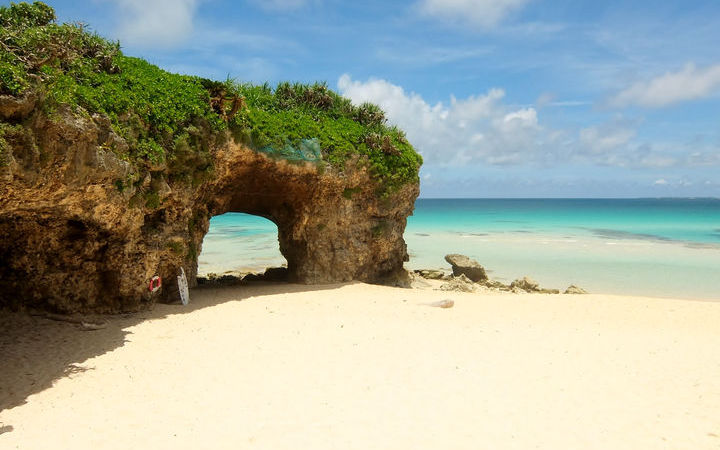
point(656, 247)
point(239, 243)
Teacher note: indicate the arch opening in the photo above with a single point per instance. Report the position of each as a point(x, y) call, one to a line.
point(237, 244)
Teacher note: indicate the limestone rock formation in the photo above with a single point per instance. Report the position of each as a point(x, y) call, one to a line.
point(572, 289)
point(462, 265)
point(527, 284)
point(431, 274)
point(460, 283)
point(494, 284)
point(74, 238)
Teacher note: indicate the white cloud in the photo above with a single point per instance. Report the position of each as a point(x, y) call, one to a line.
point(412, 54)
point(483, 13)
point(155, 23)
point(279, 5)
point(544, 99)
point(690, 83)
point(674, 182)
point(706, 157)
point(547, 99)
point(475, 129)
point(606, 138)
point(484, 131)
point(615, 144)
point(659, 161)
point(524, 118)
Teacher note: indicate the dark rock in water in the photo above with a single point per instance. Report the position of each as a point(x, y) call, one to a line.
point(460, 283)
point(572, 289)
point(214, 280)
point(253, 277)
point(462, 265)
point(222, 280)
point(270, 274)
point(495, 285)
point(549, 291)
point(526, 284)
point(228, 280)
point(275, 274)
point(431, 274)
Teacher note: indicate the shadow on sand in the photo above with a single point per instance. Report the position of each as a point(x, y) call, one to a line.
point(36, 351)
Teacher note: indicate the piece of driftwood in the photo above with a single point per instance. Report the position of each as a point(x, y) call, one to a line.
point(84, 324)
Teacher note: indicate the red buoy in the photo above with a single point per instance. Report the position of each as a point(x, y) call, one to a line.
point(155, 283)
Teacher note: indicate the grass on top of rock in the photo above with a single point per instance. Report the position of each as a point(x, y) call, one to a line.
point(172, 122)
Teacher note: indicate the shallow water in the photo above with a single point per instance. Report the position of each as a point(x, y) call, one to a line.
point(657, 247)
point(239, 243)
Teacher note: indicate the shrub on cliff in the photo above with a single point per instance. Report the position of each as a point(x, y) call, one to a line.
point(172, 122)
point(290, 113)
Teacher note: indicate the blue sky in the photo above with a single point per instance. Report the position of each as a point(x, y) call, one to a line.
point(504, 98)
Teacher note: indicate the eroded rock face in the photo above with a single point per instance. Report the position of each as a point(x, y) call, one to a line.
point(83, 230)
point(462, 265)
point(331, 228)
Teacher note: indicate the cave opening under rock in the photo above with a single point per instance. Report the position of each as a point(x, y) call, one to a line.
point(239, 243)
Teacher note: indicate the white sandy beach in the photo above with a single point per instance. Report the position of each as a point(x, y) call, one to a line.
point(356, 366)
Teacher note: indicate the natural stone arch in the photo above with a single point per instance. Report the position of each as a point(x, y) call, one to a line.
point(331, 227)
point(74, 241)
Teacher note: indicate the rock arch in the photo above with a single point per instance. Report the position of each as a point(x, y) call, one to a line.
point(331, 227)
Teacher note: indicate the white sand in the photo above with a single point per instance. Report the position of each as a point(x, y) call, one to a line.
point(368, 367)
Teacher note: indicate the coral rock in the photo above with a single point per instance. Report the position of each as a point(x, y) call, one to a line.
point(459, 284)
point(526, 284)
point(572, 289)
point(462, 265)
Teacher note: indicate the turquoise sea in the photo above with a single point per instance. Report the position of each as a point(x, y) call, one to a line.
point(656, 247)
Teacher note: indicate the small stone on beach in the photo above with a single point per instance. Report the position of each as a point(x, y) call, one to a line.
point(572, 289)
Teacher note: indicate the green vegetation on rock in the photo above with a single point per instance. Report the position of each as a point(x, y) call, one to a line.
point(290, 113)
point(172, 122)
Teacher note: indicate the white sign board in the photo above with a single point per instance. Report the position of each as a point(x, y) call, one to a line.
point(183, 287)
